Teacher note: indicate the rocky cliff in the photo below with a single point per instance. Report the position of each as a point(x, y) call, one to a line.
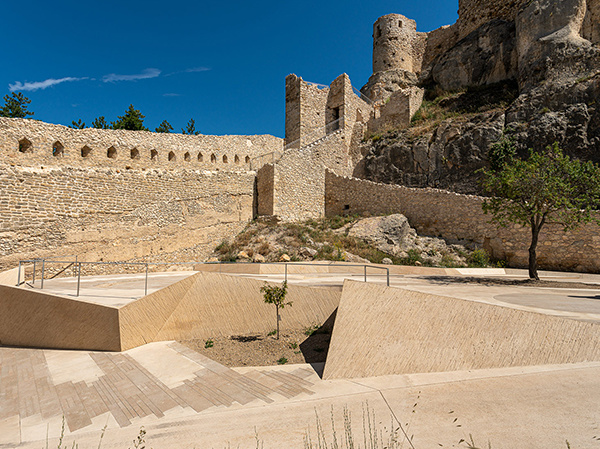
point(536, 79)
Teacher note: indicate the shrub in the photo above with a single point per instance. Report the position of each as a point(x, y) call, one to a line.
point(478, 259)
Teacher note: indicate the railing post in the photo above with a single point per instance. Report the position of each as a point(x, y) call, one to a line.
point(34, 269)
point(43, 266)
point(388, 276)
point(365, 273)
point(286, 272)
point(19, 275)
point(146, 286)
point(78, 277)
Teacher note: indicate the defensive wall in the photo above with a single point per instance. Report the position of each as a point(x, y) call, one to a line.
point(115, 195)
point(104, 214)
point(460, 217)
point(34, 143)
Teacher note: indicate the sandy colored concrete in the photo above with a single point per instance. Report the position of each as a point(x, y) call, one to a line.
point(35, 319)
point(384, 330)
point(211, 304)
point(11, 277)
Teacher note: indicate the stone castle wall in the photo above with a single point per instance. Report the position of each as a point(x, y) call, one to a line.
point(34, 143)
point(396, 44)
point(103, 214)
point(460, 217)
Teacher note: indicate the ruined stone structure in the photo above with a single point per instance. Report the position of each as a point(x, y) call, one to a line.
point(125, 195)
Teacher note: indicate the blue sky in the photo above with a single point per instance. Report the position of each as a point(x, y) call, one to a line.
point(221, 63)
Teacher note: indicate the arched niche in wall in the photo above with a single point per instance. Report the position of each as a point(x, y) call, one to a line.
point(111, 153)
point(213, 158)
point(153, 155)
point(247, 159)
point(200, 157)
point(225, 160)
point(172, 157)
point(187, 157)
point(58, 149)
point(25, 146)
point(86, 151)
point(134, 153)
point(236, 159)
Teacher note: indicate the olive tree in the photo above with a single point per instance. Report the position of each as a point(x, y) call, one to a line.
point(547, 187)
point(274, 294)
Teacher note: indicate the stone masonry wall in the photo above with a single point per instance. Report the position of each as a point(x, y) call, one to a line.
point(34, 143)
point(459, 217)
point(107, 214)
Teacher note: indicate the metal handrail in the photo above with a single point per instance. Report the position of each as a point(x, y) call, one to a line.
point(79, 264)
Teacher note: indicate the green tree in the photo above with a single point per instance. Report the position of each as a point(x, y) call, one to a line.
point(15, 106)
point(190, 128)
point(133, 120)
point(77, 124)
point(100, 123)
point(547, 187)
point(164, 127)
point(274, 294)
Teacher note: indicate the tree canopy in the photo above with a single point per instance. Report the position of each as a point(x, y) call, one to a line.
point(133, 120)
point(77, 124)
point(164, 127)
point(547, 187)
point(100, 123)
point(190, 128)
point(15, 106)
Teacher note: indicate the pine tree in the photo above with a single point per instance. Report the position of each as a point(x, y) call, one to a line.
point(15, 106)
point(133, 120)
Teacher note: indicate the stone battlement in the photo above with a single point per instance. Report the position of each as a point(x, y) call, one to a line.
point(33, 143)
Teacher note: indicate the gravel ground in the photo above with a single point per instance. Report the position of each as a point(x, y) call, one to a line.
point(265, 350)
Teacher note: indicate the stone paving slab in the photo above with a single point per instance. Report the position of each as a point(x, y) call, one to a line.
point(123, 391)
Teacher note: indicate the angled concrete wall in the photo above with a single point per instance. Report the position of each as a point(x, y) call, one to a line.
point(209, 304)
point(381, 330)
point(35, 319)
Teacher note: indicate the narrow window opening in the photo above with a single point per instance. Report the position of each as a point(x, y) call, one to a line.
point(172, 157)
point(25, 146)
point(236, 159)
point(135, 154)
point(200, 157)
point(58, 150)
point(225, 160)
point(86, 151)
point(247, 159)
point(186, 157)
point(111, 153)
point(154, 155)
point(213, 158)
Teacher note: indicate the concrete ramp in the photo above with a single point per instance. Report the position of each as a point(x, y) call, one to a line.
point(381, 330)
point(203, 305)
point(208, 305)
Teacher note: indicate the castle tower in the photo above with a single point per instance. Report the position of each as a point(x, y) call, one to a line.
point(394, 38)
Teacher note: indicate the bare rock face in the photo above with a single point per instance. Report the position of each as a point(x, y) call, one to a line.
point(549, 42)
point(392, 234)
point(448, 157)
point(382, 85)
point(487, 55)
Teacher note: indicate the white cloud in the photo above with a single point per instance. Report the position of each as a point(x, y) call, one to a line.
point(190, 70)
point(146, 74)
point(27, 86)
point(197, 69)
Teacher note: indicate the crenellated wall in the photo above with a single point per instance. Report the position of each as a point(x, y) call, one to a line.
point(34, 143)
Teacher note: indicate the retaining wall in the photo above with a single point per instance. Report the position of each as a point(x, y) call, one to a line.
point(460, 217)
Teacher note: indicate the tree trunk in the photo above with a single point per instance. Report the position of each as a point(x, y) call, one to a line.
point(277, 322)
point(536, 226)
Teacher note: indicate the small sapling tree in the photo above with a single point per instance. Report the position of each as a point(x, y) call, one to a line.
point(274, 294)
point(547, 187)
